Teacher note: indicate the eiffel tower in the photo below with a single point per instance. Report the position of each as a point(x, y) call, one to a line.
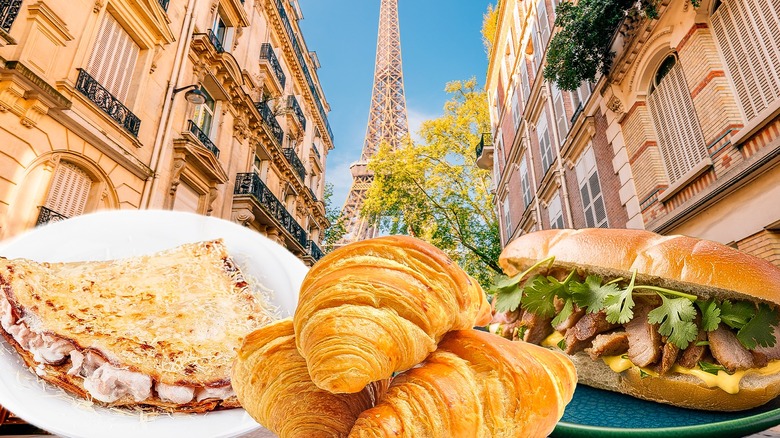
point(387, 121)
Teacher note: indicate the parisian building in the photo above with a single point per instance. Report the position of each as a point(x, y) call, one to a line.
point(207, 106)
point(681, 136)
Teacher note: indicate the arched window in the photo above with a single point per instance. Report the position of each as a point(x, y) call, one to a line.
point(677, 127)
point(747, 33)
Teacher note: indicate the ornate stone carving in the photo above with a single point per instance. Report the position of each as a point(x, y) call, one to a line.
point(98, 6)
point(615, 105)
point(178, 166)
point(212, 196)
point(243, 217)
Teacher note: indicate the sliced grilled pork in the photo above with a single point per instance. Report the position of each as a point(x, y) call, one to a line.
point(668, 357)
point(572, 320)
point(691, 356)
point(536, 327)
point(771, 353)
point(644, 341)
point(727, 349)
point(581, 335)
point(608, 344)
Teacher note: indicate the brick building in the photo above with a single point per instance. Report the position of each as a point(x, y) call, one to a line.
point(682, 136)
point(209, 106)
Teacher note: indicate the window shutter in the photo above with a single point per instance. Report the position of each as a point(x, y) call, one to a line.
point(187, 199)
point(516, 109)
point(544, 24)
point(555, 212)
point(543, 135)
point(525, 183)
point(560, 112)
point(679, 134)
point(113, 58)
point(537, 49)
point(747, 31)
point(69, 190)
point(590, 190)
point(507, 219)
point(526, 82)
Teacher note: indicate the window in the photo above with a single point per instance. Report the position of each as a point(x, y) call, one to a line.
point(507, 219)
point(69, 190)
point(114, 57)
point(544, 23)
point(516, 111)
point(526, 83)
point(561, 121)
point(222, 33)
point(537, 49)
point(545, 146)
point(187, 199)
point(579, 98)
point(204, 114)
point(590, 190)
point(555, 212)
point(680, 139)
point(746, 31)
point(525, 183)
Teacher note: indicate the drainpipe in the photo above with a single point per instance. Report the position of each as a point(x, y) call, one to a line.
point(162, 137)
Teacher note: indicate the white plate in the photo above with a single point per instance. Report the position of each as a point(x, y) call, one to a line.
point(114, 234)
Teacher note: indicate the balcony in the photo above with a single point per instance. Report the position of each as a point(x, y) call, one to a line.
point(101, 97)
point(485, 151)
point(202, 138)
point(270, 120)
point(164, 4)
point(295, 162)
point(313, 195)
point(47, 215)
point(302, 61)
point(314, 251)
point(271, 63)
point(296, 111)
point(251, 185)
point(215, 42)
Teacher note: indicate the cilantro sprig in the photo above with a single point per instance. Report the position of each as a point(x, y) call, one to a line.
point(507, 290)
point(675, 316)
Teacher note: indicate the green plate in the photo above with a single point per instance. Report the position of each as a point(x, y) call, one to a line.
point(604, 414)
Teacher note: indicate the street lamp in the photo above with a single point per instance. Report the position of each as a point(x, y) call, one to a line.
point(195, 95)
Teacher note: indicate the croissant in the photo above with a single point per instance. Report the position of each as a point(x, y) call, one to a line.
point(378, 306)
point(475, 384)
point(273, 386)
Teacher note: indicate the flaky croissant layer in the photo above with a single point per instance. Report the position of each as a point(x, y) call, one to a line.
point(475, 385)
point(273, 385)
point(379, 306)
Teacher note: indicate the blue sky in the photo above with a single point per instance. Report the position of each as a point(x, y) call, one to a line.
point(440, 42)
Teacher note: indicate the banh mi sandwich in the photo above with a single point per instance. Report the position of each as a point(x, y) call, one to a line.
point(158, 331)
point(673, 319)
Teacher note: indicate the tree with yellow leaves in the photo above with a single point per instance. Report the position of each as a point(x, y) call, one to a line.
point(435, 191)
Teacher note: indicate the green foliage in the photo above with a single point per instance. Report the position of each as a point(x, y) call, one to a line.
point(676, 318)
point(591, 294)
point(337, 227)
point(435, 191)
point(710, 314)
point(759, 330)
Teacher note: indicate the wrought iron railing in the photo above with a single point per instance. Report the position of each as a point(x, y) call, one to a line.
point(316, 151)
point(304, 67)
point(577, 113)
point(486, 140)
point(313, 195)
point(295, 162)
point(164, 4)
point(202, 138)
point(267, 53)
point(270, 120)
point(292, 103)
point(314, 251)
point(47, 215)
point(251, 184)
point(215, 41)
point(9, 9)
point(106, 101)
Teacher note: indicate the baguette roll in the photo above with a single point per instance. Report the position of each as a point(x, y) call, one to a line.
point(718, 368)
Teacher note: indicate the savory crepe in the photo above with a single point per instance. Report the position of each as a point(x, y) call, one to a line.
point(158, 330)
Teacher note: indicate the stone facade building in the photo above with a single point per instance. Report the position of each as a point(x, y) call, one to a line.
point(682, 136)
point(209, 106)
